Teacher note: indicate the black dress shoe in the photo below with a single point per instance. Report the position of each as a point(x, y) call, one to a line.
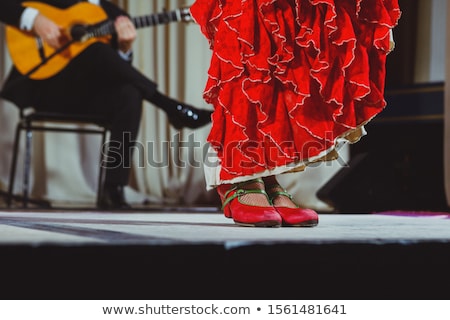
point(113, 198)
point(187, 116)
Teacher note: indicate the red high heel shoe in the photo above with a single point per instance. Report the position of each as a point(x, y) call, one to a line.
point(245, 214)
point(293, 217)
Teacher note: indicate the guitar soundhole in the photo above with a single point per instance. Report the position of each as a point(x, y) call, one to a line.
point(78, 32)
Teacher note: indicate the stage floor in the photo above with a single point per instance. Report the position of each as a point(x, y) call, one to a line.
point(71, 254)
point(90, 227)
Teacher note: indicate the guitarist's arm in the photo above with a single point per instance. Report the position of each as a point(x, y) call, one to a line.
point(49, 31)
point(126, 32)
point(29, 19)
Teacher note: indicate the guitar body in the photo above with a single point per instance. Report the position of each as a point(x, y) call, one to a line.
point(24, 47)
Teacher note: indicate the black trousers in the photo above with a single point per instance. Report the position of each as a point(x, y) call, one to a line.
point(101, 83)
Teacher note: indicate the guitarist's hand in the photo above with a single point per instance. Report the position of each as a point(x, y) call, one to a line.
point(126, 33)
point(49, 31)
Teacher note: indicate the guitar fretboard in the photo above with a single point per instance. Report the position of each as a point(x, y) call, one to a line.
point(107, 27)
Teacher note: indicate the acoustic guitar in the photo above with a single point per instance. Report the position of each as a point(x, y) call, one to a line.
point(83, 24)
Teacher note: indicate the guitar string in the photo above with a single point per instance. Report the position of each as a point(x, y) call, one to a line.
point(107, 27)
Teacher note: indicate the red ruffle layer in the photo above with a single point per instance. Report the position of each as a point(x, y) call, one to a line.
point(289, 77)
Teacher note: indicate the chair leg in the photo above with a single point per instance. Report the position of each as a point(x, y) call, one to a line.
point(101, 176)
point(27, 166)
point(12, 173)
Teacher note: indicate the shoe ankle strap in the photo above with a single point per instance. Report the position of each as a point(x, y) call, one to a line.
point(239, 191)
point(282, 192)
point(239, 185)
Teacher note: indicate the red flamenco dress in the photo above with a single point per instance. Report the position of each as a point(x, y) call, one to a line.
point(290, 80)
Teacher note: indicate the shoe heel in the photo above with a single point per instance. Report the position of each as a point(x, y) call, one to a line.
point(227, 212)
point(223, 190)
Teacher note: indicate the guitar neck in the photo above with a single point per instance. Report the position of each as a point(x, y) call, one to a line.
point(107, 27)
point(156, 19)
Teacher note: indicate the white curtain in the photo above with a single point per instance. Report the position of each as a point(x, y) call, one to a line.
point(8, 117)
point(168, 167)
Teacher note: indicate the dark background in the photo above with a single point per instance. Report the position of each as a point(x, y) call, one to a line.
point(399, 164)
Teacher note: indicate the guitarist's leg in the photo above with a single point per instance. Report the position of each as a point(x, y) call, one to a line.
point(125, 108)
point(108, 65)
point(121, 105)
